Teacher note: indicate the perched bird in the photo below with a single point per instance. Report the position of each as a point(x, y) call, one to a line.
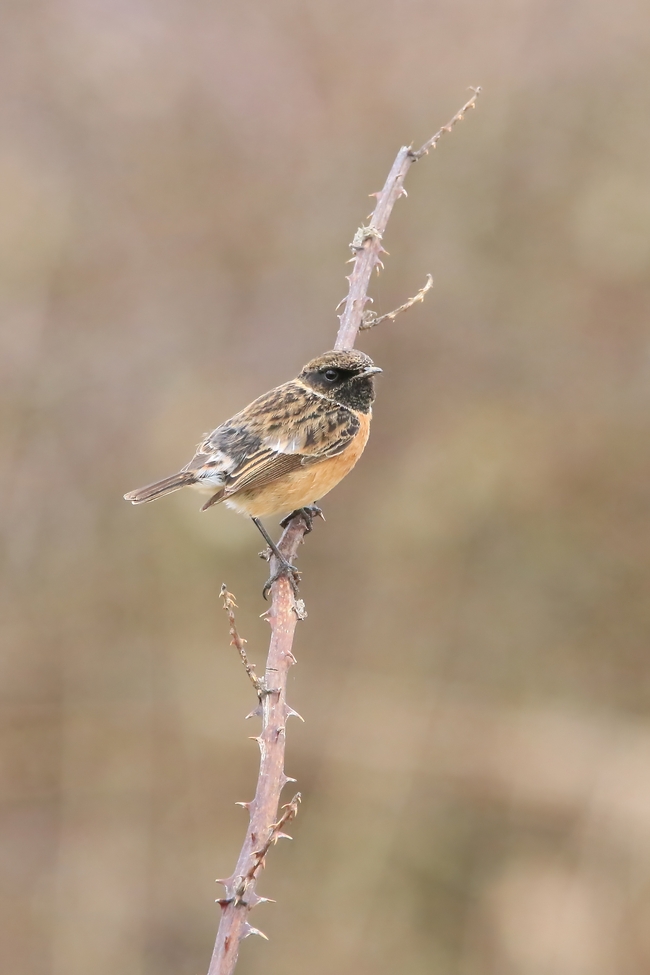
point(288, 448)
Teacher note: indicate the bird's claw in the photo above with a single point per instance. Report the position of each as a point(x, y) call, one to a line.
point(287, 571)
point(308, 513)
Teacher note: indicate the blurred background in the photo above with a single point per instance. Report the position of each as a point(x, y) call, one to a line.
point(178, 186)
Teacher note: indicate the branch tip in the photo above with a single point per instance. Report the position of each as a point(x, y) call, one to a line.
point(458, 117)
point(366, 243)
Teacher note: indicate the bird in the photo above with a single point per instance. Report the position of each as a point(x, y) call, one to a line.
point(285, 450)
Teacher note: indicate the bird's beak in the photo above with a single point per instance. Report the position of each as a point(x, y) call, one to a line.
point(371, 370)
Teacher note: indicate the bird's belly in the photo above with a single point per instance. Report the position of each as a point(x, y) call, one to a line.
point(301, 487)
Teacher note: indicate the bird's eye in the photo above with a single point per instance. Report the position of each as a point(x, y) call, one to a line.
point(331, 375)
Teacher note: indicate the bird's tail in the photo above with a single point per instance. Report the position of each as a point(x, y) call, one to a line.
point(160, 488)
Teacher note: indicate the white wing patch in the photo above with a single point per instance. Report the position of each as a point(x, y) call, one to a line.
point(293, 446)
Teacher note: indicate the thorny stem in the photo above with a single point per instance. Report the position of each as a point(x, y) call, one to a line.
point(367, 243)
point(264, 829)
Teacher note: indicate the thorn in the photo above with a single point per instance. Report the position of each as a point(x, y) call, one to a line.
point(244, 805)
point(288, 653)
point(288, 778)
point(224, 902)
point(350, 261)
point(403, 191)
point(224, 883)
point(376, 195)
point(249, 929)
point(255, 899)
point(341, 302)
point(290, 713)
point(258, 739)
point(282, 836)
point(382, 250)
point(256, 713)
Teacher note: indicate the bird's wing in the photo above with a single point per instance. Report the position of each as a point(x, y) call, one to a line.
point(287, 428)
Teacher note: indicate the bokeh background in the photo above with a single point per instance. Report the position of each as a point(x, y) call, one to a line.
point(178, 185)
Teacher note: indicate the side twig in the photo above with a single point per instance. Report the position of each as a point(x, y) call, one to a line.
point(369, 319)
point(264, 827)
point(230, 605)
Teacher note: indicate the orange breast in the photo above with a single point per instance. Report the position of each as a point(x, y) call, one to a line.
point(304, 486)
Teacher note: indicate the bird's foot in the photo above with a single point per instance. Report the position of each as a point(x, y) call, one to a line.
point(287, 571)
point(308, 513)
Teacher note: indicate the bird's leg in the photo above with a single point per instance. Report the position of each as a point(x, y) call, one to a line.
point(269, 541)
point(308, 513)
point(285, 568)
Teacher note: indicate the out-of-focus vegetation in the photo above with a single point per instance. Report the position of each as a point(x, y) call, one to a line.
point(178, 184)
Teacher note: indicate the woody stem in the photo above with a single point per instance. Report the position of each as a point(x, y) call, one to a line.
point(240, 894)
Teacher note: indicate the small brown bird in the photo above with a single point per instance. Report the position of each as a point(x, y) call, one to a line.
point(288, 448)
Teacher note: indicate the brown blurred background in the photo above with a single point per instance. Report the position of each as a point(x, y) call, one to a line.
point(178, 186)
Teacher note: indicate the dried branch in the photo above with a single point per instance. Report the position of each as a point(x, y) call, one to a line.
point(264, 828)
point(458, 117)
point(236, 640)
point(367, 242)
point(369, 319)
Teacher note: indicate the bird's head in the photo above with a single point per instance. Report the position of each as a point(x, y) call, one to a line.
point(346, 377)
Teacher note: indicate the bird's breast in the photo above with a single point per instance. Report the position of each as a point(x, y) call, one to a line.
point(303, 486)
